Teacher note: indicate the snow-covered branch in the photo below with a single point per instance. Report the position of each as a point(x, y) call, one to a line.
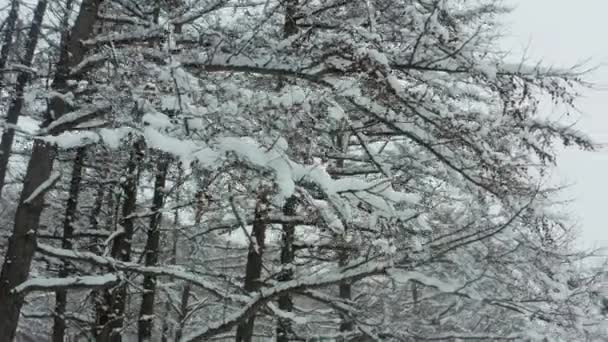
point(173, 271)
point(79, 282)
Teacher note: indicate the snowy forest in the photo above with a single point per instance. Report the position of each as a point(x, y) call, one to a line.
point(285, 170)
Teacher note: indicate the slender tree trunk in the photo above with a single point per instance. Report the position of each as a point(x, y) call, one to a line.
point(145, 324)
point(22, 243)
point(244, 331)
point(187, 287)
point(103, 190)
point(112, 319)
point(284, 329)
point(345, 286)
point(104, 173)
point(101, 298)
point(59, 324)
point(345, 289)
point(166, 329)
point(14, 110)
point(9, 32)
point(183, 311)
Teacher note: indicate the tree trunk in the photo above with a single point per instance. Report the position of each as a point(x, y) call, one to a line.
point(183, 311)
point(284, 329)
point(244, 332)
point(187, 287)
point(345, 286)
point(111, 319)
point(145, 323)
point(59, 325)
point(9, 32)
point(14, 110)
point(22, 243)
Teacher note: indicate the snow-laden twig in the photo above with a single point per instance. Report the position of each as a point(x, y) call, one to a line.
point(167, 270)
point(43, 188)
point(80, 282)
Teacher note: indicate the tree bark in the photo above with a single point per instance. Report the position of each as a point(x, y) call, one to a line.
point(187, 287)
point(22, 243)
point(14, 110)
point(145, 323)
point(345, 286)
point(59, 324)
point(284, 329)
point(9, 32)
point(110, 321)
point(244, 331)
point(183, 311)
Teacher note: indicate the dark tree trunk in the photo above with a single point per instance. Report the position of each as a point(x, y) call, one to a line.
point(345, 289)
point(166, 329)
point(101, 297)
point(187, 287)
point(183, 311)
point(9, 32)
point(22, 243)
point(284, 329)
point(59, 324)
point(244, 331)
point(145, 323)
point(290, 26)
point(345, 286)
point(111, 320)
point(95, 213)
point(14, 110)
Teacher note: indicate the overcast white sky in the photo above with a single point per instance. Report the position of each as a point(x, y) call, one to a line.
point(564, 32)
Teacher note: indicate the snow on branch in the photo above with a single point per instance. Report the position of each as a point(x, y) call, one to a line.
point(74, 118)
point(43, 188)
point(173, 271)
point(330, 277)
point(80, 282)
point(19, 68)
point(267, 294)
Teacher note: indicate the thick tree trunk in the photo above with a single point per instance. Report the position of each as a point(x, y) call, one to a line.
point(244, 332)
point(9, 32)
point(14, 110)
point(59, 324)
point(145, 323)
point(284, 329)
point(110, 321)
point(22, 243)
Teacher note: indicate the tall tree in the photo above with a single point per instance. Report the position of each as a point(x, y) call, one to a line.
point(111, 318)
point(71, 211)
point(9, 28)
point(284, 329)
point(151, 250)
point(38, 178)
point(255, 262)
point(14, 110)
